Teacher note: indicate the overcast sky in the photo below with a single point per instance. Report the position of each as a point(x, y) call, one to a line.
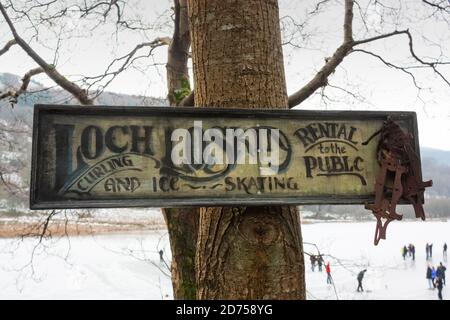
point(377, 86)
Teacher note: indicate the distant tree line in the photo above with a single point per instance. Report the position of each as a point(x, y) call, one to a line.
point(434, 208)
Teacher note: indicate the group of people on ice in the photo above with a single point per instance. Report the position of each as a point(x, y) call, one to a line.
point(436, 278)
point(318, 259)
point(429, 251)
point(435, 275)
point(409, 251)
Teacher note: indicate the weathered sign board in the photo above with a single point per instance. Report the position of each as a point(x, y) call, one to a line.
point(108, 156)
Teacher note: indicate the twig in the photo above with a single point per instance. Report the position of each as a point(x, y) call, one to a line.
point(14, 94)
point(49, 69)
point(347, 47)
point(7, 46)
point(321, 77)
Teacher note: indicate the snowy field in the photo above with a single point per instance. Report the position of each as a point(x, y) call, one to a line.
point(127, 266)
point(387, 276)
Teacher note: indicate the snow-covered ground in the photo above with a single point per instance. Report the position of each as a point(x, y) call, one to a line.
point(127, 266)
point(88, 267)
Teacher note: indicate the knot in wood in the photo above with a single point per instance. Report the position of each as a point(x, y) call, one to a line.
point(260, 229)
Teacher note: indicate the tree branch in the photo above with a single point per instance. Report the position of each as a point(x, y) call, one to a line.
point(318, 5)
point(391, 65)
point(14, 94)
point(125, 61)
point(379, 37)
point(437, 6)
point(79, 93)
point(320, 79)
point(432, 65)
point(27, 77)
point(348, 21)
point(7, 46)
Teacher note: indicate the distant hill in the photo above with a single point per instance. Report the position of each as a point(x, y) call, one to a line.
point(440, 156)
point(39, 94)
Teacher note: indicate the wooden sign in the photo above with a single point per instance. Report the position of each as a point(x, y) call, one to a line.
point(107, 156)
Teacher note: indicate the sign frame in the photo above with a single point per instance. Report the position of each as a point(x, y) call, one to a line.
point(409, 117)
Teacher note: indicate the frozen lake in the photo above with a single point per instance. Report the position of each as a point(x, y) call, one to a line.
point(127, 266)
point(388, 276)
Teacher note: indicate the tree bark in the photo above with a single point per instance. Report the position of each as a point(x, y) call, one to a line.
point(178, 55)
point(254, 252)
point(182, 223)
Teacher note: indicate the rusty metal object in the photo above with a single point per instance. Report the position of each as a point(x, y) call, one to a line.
point(399, 177)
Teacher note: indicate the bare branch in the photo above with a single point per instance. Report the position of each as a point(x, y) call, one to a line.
point(318, 5)
point(438, 6)
point(362, 15)
point(7, 46)
point(391, 65)
point(124, 62)
point(45, 225)
point(355, 96)
point(348, 21)
point(38, 5)
point(424, 63)
point(291, 31)
point(49, 69)
point(379, 37)
point(320, 79)
point(432, 65)
point(14, 94)
point(26, 79)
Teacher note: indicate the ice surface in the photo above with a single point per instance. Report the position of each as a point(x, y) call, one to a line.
point(388, 276)
point(127, 266)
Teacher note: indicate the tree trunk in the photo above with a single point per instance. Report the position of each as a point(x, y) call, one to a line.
point(182, 223)
point(254, 252)
point(178, 55)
